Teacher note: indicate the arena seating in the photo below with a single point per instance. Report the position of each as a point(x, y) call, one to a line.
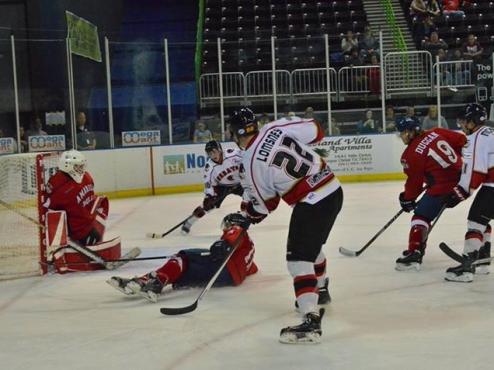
point(478, 19)
point(246, 26)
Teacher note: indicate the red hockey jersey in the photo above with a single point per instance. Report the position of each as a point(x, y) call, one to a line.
point(433, 158)
point(241, 263)
point(63, 193)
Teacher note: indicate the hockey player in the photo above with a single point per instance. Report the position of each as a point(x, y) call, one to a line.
point(478, 171)
point(432, 157)
point(220, 179)
point(277, 163)
point(74, 209)
point(195, 267)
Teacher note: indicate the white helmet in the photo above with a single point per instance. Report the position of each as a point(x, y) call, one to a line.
point(73, 163)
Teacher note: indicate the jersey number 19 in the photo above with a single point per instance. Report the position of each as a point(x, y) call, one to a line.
point(447, 151)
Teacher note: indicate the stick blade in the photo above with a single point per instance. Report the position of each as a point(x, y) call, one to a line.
point(348, 252)
point(153, 236)
point(178, 310)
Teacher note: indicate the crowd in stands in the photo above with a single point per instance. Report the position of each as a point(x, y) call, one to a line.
point(425, 15)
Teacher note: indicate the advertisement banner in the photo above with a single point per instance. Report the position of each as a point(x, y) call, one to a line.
point(141, 138)
point(7, 145)
point(363, 154)
point(46, 143)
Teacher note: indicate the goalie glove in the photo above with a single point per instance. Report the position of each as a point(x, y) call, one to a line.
point(406, 205)
point(456, 196)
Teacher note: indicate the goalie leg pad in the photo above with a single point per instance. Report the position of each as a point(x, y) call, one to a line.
point(56, 229)
point(67, 259)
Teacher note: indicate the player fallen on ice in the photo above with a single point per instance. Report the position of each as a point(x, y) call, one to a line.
point(433, 158)
point(278, 163)
point(221, 178)
point(75, 213)
point(478, 171)
point(195, 267)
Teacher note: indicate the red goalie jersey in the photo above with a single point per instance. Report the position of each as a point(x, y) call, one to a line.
point(77, 200)
point(433, 158)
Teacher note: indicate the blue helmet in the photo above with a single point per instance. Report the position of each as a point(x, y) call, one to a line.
point(408, 123)
point(474, 112)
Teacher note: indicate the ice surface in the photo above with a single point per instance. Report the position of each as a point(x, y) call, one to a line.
point(379, 318)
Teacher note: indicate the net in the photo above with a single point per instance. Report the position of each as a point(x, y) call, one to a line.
point(22, 177)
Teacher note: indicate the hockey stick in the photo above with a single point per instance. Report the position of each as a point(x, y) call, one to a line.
point(193, 306)
point(160, 236)
point(459, 257)
point(79, 248)
point(350, 253)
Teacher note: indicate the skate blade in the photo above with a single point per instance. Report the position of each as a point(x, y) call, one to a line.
point(116, 285)
point(412, 266)
point(150, 296)
point(464, 278)
point(307, 338)
point(482, 270)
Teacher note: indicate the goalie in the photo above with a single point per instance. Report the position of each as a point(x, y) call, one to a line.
point(76, 217)
point(195, 267)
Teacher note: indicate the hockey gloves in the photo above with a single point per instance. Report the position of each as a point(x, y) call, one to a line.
point(199, 212)
point(219, 250)
point(456, 196)
point(252, 215)
point(406, 205)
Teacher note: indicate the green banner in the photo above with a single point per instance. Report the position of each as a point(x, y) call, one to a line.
point(83, 36)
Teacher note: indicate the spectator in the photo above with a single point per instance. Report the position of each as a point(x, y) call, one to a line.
point(369, 44)
point(452, 8)
point(374, 76)
point(368, 124)
point(85, 138)
point(472, 50)
point(431, 120)
point(202, 133)
point(418, 10)
point(354, 60)
point(390, 118)
point(433, 8)
point(263, 120)
point(460, 71)
point(410, 112)
point(309, 113)
point(446, 78)
point(434, 44)
point(349, 42)
point(335, 129)
point(35, 128)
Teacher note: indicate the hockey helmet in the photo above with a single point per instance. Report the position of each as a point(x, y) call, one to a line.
point(73, 163)
point(475, 113)
point(408, 123)
point(235, 219)
point(213, 144)
point(243, 122)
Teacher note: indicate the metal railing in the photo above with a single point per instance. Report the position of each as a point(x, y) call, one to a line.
point(456, 73)
point(233, 86)
point(313, 81)
point(260, 83)
point(408, 71)
point(359, 79)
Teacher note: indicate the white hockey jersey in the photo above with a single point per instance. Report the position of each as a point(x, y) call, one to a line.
point(222, 174)
point(478, 160)
point(278, 163)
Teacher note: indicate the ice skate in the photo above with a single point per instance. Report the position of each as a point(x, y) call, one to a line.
point(463, 273)
point(307, 332)
point(484, 252)
point(121, 284)
point(152, 289)
point(409, 260)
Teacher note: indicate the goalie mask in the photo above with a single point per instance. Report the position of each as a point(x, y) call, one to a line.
point(73, 163)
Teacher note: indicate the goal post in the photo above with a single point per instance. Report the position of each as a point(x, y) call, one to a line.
point(22, 239)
